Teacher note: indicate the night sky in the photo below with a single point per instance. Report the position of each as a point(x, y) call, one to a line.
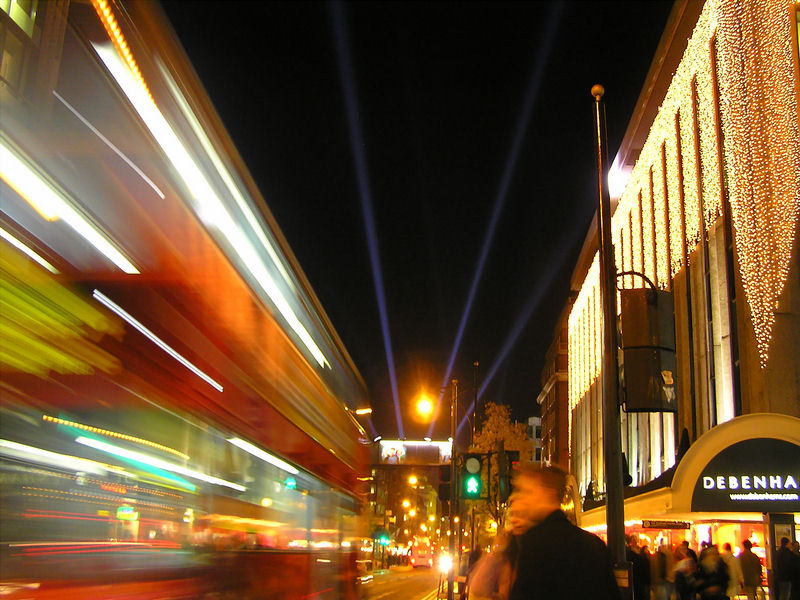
point(466, 115)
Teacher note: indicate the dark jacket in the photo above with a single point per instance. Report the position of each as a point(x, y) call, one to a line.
point(712, 577)
point(641, 573)
point(558, 560)
point(784, 564)
point(751, 568)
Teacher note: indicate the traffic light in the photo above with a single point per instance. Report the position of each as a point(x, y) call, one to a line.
point(471, 480)
point(507, 462)
point(503, 480)
point(444, 483)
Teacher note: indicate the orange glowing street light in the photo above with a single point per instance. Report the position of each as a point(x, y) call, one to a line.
point(424, 406)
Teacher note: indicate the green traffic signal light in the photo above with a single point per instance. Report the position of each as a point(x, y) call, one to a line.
point(472, 486)
point(471, 482)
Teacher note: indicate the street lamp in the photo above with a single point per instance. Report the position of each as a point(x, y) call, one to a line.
point(413, 480)
point(425, 409)
point(424, 406)
point(453, 488)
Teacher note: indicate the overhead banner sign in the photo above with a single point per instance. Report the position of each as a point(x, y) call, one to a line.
point(415, 452)
point(757, 475)
point(650, 524)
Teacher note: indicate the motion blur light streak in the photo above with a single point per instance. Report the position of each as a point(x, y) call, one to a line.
point(112, 28)
point(55, 459)
point(243, 205)
point(542, 60)
point(108, 143)
point(208, 205)
point(122, 436)
point(156, 462)
point(345, 62)
point(24, 180)
point(27, 251)
point(265, 456)
point(154, 338)
point(51, 206)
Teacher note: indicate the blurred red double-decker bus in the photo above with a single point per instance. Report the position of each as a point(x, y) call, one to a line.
point(176, 406)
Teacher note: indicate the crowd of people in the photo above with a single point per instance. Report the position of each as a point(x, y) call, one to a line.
point(682, 574)
point(543, 555)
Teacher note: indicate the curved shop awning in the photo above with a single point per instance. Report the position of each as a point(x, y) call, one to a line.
point(749, 464)
point(736, 471)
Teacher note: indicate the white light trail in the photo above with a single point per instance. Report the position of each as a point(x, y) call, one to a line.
point(103, 299)
point(263, 455)
point(56, 459)
point(27, 251)
point(156, 462)
point(208, 205)
point(108, 143)
point(49, 203)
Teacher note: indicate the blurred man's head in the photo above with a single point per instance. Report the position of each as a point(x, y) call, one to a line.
point(747, 544)
point(518, 523)
point(538, 491)
point(632, 541)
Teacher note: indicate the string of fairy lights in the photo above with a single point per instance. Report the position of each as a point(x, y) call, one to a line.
point(114, 32)
point(114, 434)
point(735, 91)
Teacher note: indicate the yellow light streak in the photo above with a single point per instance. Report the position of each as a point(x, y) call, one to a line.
point(111, 26)
point(114, 434)
point(51, 205)
point(27, 251)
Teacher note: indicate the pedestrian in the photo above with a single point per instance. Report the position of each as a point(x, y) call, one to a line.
point(685, 573)
point(783, 570)
point(751, 570)
point(687, 551)
point(640, 568)
point(704, 546)
point(491, 576)
point(734, 571)
point(662, 573)
point(474, 557)
point(712, 575)
point(795, 570)
point(557, 560)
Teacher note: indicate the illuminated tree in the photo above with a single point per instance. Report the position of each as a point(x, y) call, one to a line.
point(496, 432)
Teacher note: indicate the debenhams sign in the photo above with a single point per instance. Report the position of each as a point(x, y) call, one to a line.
point(758, 475)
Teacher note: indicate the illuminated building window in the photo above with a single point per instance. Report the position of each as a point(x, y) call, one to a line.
point(16, 30)
point(21, 12)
